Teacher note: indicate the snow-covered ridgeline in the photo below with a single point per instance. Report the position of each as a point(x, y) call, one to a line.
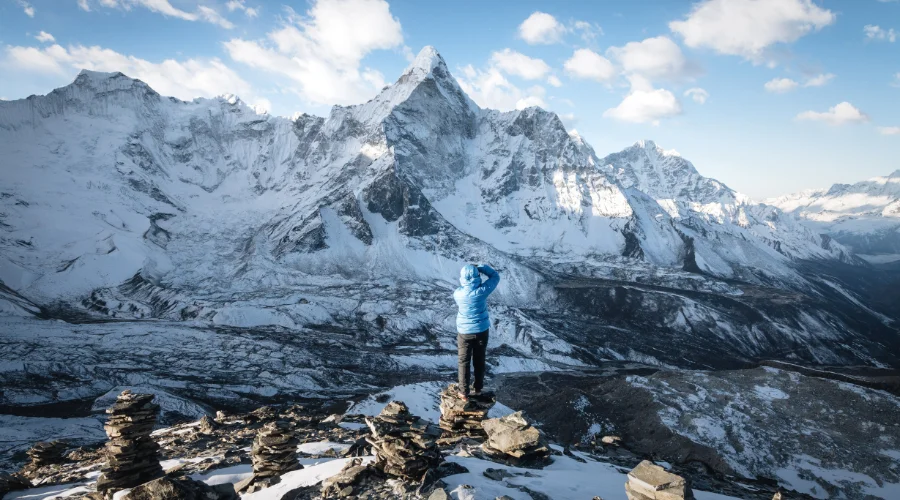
point(864, 216)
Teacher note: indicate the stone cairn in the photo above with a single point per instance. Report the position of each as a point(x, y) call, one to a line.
point(514, 440)
point(46, 453)
point(274, 452)
point(461, 418)
point(404, 444)
point(649, 481)
point(132, 456)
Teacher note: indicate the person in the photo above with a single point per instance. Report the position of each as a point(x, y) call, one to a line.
point(473, 323)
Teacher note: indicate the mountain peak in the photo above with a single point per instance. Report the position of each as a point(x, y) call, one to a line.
point(427, 60)
point(649, 145)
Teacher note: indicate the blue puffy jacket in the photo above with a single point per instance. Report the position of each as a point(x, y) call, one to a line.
point(471, 298)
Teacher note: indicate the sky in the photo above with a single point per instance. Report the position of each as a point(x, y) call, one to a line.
point(768, 96)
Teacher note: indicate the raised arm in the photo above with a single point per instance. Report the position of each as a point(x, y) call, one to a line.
point(493, 279)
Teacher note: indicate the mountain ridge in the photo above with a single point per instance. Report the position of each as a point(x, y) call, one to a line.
point(130, 205)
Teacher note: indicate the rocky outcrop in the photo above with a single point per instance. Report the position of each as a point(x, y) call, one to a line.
point(404, 444)
point(463, 418)
point(649, 481)
point(514, 440)
point(132, 456)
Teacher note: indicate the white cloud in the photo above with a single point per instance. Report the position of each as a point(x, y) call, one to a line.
point(780, 85)
point(490, 89)
point(554, 81)
point(838, 115)
point(234, 5)
point(697, 94)
point(515, 63)
point(164, 7)
point(322, 51)
point(819, 80)
point(541, 28)
point(589, 32)
point(530, 101)
point(211, 15)
point(657, 57)
point(182, 79)
point(896, 82)
point(644, 104)
point(26, 8)
point(874, 32)
point(586, 63)
point(748, 28)
point(889, 130)
point(569, 120)
point(83, 5)
point(43, 36)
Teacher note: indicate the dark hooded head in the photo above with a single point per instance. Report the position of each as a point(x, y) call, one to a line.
point(469, 276)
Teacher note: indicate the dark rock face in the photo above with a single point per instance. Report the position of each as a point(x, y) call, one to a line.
point(132, 454)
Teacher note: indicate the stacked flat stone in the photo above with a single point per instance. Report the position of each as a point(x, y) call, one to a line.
point(274, 450)
point(404, 444)
point(649, 481)
point(132, 456)
point(463, 418)
point(46, 453)
point(513, 439)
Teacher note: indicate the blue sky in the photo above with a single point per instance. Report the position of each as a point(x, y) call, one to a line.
point(768, 96)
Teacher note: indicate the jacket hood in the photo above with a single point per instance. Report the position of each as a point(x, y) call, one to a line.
point(469, 276)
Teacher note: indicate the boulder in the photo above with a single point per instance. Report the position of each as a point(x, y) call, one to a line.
point(513, 439)
point(649, 481)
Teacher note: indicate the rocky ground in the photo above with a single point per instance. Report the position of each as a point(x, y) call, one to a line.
point(218, 451)
point(823, 437)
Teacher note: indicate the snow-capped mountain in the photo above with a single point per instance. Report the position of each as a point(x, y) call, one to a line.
point(864, 216)
point(119, 202)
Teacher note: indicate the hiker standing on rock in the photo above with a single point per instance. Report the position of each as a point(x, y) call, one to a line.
point(472, 323)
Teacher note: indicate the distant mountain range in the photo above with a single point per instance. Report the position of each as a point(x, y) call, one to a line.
point(117, 202)
point(864, 216)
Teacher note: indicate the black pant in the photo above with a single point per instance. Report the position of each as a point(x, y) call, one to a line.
point(471, 347)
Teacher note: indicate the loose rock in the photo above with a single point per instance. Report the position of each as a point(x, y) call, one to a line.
point(649, 481)
point(166, 488)
point(514, 440)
